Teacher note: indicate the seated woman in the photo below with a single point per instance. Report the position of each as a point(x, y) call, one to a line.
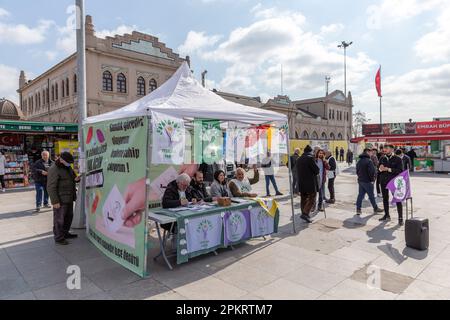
point(219, 188)
point(242, 186)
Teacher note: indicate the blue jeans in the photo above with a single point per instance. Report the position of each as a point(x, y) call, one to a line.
point(268, 179)
point(321, 195)
point(366, 187)
point(41, 190)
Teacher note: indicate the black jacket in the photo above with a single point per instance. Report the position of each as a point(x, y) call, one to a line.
point(293, 161)
point(365, 169)
point(199, 192)
point(333, 164)
point(407, 164)
point(171, 197)
point(395, 163)
point(307, 171)
point(37, 169)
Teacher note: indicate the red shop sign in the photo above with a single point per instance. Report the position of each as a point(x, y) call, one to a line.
point(433, 127)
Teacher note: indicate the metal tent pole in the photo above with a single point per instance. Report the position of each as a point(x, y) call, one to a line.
point(290, 182)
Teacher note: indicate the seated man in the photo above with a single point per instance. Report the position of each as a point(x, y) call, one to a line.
point(198, 188)
point(178, 193)
point(242, 186)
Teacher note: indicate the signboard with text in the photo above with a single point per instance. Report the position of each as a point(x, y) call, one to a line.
point(410, 128)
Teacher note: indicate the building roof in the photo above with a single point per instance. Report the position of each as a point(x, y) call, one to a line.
point(335, 96)
point(245, 100)
point(9, 110)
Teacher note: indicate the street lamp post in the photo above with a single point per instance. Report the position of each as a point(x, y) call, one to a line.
point(344, 45)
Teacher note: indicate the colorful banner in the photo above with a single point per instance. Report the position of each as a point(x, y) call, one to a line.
point(237, 226)
point(252, 146)
point(116, 162)
point(413, 128)
point(208, 142)
point(235, 145)
point(400, 187)
point(169, 139)
point(283, 136)
point(423, 165)
point(203, 232)
point(261, 222)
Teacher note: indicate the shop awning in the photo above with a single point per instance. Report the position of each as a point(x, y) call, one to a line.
point(37, 127)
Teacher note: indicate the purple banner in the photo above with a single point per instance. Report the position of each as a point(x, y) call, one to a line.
point(236, 226)
point(400, 187)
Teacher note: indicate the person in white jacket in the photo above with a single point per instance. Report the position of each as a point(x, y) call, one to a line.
point(268, 165)
point(2, 170)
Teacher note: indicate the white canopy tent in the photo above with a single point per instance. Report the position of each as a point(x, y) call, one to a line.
point(184, 97)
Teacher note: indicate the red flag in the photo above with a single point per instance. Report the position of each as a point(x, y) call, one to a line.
point(378, 82)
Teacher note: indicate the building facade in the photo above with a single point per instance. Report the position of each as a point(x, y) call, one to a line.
point(119, 70)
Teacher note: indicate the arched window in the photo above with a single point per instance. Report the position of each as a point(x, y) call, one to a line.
point(56, 91)
point(74, 83)
point(67, 87)
point(63, 88)
point(329, 114)
point(140, 86)
point(340, 136)
point(324, 136)
point(296, 135)
point(152, 85)
point(305, 135)
point(121, 83)
point(332, 137)
point(107, 81)
point(333, 114)
point(315, 136)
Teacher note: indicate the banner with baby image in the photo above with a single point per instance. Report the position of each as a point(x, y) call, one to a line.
point(169, 139)
point(115, 198)
point(203, 232)
point(237, 227)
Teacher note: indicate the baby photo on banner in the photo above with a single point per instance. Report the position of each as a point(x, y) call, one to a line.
point(169, 139)
point(237, 226)
point(204, 232)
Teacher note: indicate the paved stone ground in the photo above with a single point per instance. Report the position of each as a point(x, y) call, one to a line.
point(330, 259)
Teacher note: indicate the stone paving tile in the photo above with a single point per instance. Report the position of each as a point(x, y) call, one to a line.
point(400, 264)
point(436, 275)
point(112, 278)
point(314, 278)
point(276, 266)
point(333, 264)
point(61, 292)
point(139, 290)
point(23, 296)
point(354, 254)
point(46, 275)
point(170, 295)
point(13, 286)
point(354, 290)
point(421, 290)
point(202, 290)
point(283, 289)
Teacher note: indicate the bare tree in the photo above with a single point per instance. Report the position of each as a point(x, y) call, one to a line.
point(359, 118)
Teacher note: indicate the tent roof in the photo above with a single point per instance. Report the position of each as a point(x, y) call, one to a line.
point(183, 96)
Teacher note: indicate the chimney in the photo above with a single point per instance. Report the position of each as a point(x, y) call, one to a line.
point(204, 78)
point(89, 25)
point(22, 79)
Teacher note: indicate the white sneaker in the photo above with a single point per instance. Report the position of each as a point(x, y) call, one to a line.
point(3, 190)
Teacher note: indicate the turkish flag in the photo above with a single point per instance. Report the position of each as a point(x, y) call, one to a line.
point(378, 82)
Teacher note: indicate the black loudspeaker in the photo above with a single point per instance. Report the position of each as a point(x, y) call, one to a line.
point(417, 231)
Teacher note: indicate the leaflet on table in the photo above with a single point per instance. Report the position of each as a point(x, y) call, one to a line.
point(240, 200)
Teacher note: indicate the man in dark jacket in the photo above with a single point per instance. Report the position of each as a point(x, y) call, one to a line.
point(307, 171)
point(336, 153)
point(390, 166)
point(412, 155)
point(178, 193)
point(331, 176)
point(407, 164)
point(293, 163)
point(367, 173)
point(379, 156)
point(341, 154)
point(61, 186)
point(199, 191)
point(40, 172)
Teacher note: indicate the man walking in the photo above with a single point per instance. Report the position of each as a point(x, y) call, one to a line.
point(336, 152)
point(293, 163)
point(341, 155)
point(380, 154)
point(366, 172)
point(390, 166)
point(331, 174)
point(61, 181)
point(40, 172)
point(307, 171)
point(412, 155)
point(268, 165)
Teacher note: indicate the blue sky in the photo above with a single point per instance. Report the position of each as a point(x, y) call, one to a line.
point(243, 43)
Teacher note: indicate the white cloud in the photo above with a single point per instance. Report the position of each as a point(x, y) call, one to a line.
point(9, 78)
point(23, 34)
point(331, 28)
point(4, 13)
point(122, 29)
point(390, 12)
point(435, 45)
point(196, 41)
point(255, 53)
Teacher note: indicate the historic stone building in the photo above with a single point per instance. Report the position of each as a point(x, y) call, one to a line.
point(323, 119)
point(119, 70)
